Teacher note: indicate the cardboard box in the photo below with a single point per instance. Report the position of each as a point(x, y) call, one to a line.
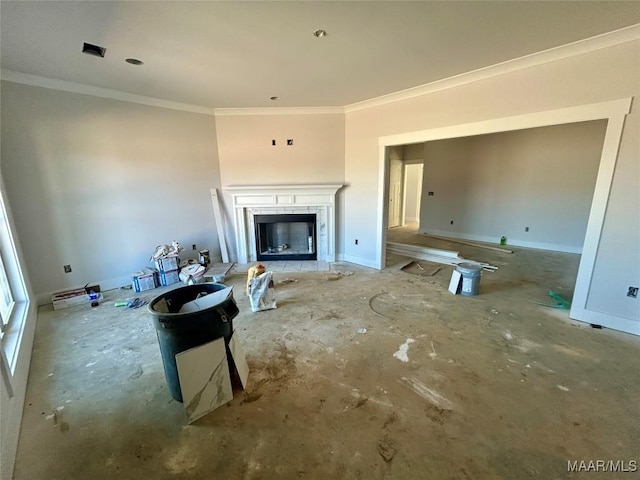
point(169, 278)
point(168, 264)
point(145, 279)
point(70, 298)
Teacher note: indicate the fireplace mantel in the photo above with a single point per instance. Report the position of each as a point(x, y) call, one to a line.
point(250, 200)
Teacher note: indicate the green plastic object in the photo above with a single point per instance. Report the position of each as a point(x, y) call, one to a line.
point(561, 302)
point(120, 304)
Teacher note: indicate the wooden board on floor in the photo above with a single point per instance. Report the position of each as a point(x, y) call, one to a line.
point(472, 244)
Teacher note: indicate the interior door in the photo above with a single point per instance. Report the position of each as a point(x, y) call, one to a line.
point(395, 193)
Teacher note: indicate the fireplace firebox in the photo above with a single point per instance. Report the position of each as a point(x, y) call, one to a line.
point(286, 237)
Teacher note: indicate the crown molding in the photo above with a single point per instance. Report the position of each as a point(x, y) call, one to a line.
point(83, 89)
point(221, 112)
point(598, 42)
point(591, 44)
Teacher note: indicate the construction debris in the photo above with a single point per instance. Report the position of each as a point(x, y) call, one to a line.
point(164, 251)
point(337, 274)
point(446, 257)
point(371, 304)
point(254, 272)
point(464, 242)
point(426, 269)
point(561, 302)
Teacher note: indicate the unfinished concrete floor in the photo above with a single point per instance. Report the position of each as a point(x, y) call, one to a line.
point(495, 386)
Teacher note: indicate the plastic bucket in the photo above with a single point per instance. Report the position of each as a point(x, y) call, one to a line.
point(178, 332)
point(471, 274)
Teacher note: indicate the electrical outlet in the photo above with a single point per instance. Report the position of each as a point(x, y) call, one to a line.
point(356, 241)
point(632, 292)
point(290, 141)
point(526, 229)
point(193, 247)
point(273, 142)
point(451, 222)
point(67, 268)
point(430, 194)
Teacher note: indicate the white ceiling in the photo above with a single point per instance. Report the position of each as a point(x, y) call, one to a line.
point(238, 54)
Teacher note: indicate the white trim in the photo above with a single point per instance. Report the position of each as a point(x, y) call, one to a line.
point(83, 89)
point(250, 200)
point(598, 42)
point(308, 188)
point(614, 111)
point(597, 214)
point(609, 320)
point(221, 112)
point(581, 113)
point(554, 247)
point(579, 47)
point(364, 262)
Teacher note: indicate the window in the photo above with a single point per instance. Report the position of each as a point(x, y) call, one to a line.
point(14, 298)
point(6, 298)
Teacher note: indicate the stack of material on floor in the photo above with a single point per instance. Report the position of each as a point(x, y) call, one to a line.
point(168, 268)
point(167, 263)
point(75, 296)
point(145, 279)
point(191, 273)
point(446, 257)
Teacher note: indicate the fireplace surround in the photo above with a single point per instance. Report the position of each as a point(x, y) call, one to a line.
point(253, 202)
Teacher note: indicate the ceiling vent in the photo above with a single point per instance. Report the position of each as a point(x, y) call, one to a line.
point(94, 50)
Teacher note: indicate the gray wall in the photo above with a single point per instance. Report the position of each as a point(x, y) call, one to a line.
point(602, 75)
point(98, 183)
point(495, 185)
point(247, 156)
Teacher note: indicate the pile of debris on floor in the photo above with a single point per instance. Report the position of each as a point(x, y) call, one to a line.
point(168, 269)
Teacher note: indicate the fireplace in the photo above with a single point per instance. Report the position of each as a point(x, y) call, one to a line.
point(252, 203)
point(286, 237)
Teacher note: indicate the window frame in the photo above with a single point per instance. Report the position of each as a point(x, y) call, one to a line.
point(16, 312)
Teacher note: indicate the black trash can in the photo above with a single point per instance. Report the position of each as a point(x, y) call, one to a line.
point(178, 332)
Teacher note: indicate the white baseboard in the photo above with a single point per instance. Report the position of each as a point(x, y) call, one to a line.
point(555, 247)
point(365, 262)
point(607, 320)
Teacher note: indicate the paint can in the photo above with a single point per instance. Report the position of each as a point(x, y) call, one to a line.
point(204, 258)
point(471, 274)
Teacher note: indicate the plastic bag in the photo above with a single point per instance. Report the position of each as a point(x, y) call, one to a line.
point(253, 273)
point(262, 294)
